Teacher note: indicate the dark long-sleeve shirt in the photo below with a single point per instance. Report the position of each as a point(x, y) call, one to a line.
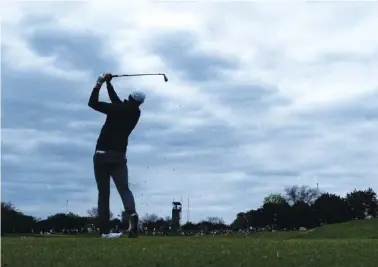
point(121, 119)
point(112, 94)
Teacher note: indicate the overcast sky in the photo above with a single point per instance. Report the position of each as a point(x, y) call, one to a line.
point(260, 96)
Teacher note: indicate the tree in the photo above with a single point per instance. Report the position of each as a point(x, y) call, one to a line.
point(93, 212)
point(301, 194)
point(60, 222)
point(151, 221)
point(8, 207)
point(215, 220)
point(240, 223)
point(275, 198)
point(298, 206)
point(255, 218)
point(14, 221)
point(362, 203)
point(115, 223)
point(150, 217)
point(330, 208)
point(189, 226)
point(276, 214)
point(214, 223)
point(302, 215)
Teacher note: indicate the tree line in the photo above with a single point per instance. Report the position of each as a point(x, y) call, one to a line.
point(302, 206)
point(297, 206)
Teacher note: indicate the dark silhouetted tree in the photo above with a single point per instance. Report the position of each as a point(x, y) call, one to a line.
point(301, 194)
point(277, 215)
point(14, 221)
point(302, 215)
point(275, 198)
point(330, 208)
point(189, 226)
point(93, 212)
point(362, 203)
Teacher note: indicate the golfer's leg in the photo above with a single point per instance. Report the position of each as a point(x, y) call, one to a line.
point(121, 181)
point(102, 176)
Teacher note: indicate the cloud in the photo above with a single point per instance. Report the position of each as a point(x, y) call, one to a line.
point(178, 50)
point(259, 97)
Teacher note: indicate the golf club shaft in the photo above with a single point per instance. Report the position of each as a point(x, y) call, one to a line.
point(142, 74)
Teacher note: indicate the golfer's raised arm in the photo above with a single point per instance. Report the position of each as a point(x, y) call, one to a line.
point(112, 93)
point(93, 99)
point(100, 106)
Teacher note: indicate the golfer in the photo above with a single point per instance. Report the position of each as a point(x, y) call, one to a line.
point(110, 156)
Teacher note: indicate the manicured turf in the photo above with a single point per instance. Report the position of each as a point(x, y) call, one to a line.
point(187, 251)
point(359, 229)
point(348, 244)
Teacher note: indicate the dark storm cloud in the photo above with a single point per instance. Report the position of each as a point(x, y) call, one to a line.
point(73, 50)
point(178, 50)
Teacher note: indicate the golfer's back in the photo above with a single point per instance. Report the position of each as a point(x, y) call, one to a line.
point(118, 126)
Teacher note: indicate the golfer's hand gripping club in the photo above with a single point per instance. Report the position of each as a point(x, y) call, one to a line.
point(101, 79)
point(105, 77)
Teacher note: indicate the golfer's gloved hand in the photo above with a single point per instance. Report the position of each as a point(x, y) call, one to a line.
point(101, 79)
point(108, 77)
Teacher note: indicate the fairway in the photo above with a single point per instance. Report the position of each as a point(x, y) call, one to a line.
point(187, 251)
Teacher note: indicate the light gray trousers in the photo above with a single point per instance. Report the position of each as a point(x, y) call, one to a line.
point(111, 164)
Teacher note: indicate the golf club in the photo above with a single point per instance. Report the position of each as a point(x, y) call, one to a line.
point(143, 74)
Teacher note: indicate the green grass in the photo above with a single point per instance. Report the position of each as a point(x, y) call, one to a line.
point(310, 249)
point(189, 251)
point(361, 229)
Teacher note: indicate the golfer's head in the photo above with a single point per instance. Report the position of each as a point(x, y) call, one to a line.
point(137, 97)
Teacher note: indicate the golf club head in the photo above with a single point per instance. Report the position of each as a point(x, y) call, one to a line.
point(165, 78)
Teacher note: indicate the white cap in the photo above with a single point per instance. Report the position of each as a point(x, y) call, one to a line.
point(138, 96)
